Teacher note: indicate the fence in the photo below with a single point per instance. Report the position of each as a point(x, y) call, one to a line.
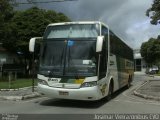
point(9, 72)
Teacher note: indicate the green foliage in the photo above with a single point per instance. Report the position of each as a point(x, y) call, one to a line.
point(19, 83)
point(27, 24)
point(6, 13)
point(154, 12)
point(150, 51)
point(17, 27)
point(6, 10)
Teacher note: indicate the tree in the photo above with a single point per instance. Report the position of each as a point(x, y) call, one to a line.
point(24, 25)
point(27, 24)
point(154, 12)
point(150, 51)
point(6, 13)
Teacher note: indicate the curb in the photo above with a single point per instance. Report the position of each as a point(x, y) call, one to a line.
point(18, 89)
point(9, 90)
point(33, 95)
point(18, 98)
point(13, 98)
point(144, 95)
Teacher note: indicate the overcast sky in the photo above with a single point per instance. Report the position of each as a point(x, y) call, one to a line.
point(126, 18)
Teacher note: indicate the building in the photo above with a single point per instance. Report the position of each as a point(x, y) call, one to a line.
point(7, 57)
point(139, 62)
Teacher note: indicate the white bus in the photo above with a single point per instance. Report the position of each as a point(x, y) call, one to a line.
point(82, 61)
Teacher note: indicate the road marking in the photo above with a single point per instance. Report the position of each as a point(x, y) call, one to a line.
point(140, 102)
point(137, 100)
point(127, 101)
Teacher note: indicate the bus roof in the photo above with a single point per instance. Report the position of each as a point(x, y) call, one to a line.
point(76, 22)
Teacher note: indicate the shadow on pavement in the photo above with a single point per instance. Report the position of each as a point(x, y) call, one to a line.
point(79, 103)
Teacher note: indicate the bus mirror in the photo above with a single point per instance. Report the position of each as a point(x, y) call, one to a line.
point(99, 43)
point(32, 43)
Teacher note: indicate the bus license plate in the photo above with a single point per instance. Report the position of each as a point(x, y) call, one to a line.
point(63, 93)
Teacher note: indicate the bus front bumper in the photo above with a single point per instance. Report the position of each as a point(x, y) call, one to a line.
point(87, 93)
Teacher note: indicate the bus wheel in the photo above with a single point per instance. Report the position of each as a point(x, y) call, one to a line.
point(129, 82)
point(110, 92)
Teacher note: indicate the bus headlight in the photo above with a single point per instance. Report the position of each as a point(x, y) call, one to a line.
point(43, 82)
point(89, 84)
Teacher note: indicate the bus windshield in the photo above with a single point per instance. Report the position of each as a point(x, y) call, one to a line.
point(72, 31)
point(69, 57)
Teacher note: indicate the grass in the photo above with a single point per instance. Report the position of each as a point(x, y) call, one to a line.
point(158, 74)
point(19, 83)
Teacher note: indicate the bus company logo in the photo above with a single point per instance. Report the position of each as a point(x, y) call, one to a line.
point(53, 79)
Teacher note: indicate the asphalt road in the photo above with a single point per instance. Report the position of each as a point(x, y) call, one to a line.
point(123, 102)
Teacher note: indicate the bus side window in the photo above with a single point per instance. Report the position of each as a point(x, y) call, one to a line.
point(104, 54)
point(103, 63)
point(104, 31)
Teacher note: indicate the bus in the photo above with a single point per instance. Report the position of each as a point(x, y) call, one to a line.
point(82, 61)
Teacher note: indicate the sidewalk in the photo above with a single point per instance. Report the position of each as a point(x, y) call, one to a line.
point(18, 94)
point(150, 89)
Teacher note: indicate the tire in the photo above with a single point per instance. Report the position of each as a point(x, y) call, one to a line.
point(110, 92)
point(129, 82)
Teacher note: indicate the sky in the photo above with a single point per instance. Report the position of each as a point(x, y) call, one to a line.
point(126, 18)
